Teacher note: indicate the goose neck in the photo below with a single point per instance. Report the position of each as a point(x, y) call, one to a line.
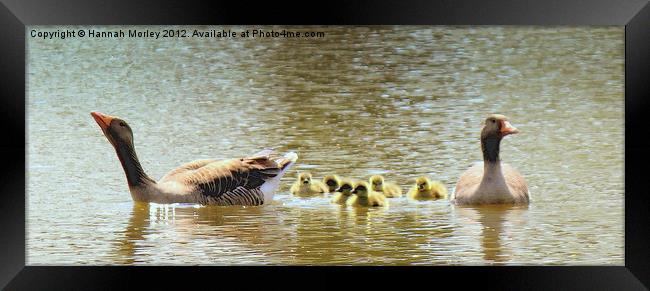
point(490, 147)
point(135, 175)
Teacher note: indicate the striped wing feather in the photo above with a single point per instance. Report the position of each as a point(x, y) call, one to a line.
point(228, 182)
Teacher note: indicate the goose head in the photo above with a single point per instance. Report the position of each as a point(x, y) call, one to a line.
point(116, 130)
point(346, 188)
point(120, 135)
point(496, 127)
point(377, 182)
point(423, 184)
point(361, 189)
point(304, 178)
point(332, 182)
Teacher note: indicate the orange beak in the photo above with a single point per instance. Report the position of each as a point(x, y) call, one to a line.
point(507, 128)
point(102, 119)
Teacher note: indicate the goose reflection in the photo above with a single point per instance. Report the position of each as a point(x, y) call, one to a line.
point(265, 235)
point(380, 236)
point(134, 233)
point(206, 226)
point(496, 222)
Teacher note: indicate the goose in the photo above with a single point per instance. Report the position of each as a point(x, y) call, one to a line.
point(304, 186)
point(344, 192)
point(249, 181)
point(425, 189)
point(365, 197)
point(389, 190)
point(331, 182)
point(492, 182)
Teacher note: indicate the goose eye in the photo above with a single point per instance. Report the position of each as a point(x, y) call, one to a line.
point(122, 123)
point(494, 121)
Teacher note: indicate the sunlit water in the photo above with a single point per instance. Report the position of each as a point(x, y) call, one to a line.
point(400, 101)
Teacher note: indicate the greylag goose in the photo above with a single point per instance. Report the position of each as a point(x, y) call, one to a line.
point(305, 186)
point(425, 189)
point(492, 182)
point(250, 180)
point(389, 190)
point(343, 193)
point(364, 196)
point(331, 182)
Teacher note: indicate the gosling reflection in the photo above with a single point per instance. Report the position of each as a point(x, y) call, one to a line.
point(492, 219)
point(340, 237)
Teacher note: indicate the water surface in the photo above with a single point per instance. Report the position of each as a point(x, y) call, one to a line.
point(399, 101)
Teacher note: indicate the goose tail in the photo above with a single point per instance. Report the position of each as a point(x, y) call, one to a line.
point(287, 161)
point(271, 185)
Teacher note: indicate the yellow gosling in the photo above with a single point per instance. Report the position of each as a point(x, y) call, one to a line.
point(389, 190)
point(365, 197)
point(304, 186)
point(425, 189)
point(332, 182)
point(344, 192)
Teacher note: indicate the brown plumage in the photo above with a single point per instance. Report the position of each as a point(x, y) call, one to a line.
point(492, 182)
point(245, 181)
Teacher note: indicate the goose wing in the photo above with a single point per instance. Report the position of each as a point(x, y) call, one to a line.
point(469, 180)
point(229, 182)
point(182, 169)
point(515, 182)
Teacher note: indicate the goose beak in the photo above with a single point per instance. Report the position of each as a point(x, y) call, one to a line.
point(102, 119)
point(507, 128)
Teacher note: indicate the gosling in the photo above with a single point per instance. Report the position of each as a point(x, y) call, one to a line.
point(365, 197)
point(425, 189)
point(332, 182)
point(344, 193)
point(305, 186)
point(389, 190)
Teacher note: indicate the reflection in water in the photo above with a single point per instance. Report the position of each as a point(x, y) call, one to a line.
point(227, 224)
point(330, 234)
point(495, 221)
point(134, 233)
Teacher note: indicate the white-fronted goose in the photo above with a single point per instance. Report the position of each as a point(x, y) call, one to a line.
point(250, 180)
point(492, 182)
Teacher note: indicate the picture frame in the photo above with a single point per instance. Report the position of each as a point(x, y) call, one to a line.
point(634, 15)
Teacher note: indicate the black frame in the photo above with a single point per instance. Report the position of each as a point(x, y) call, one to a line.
point(634, 14)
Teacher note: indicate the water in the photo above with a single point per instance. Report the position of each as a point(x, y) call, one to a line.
point(401, 101)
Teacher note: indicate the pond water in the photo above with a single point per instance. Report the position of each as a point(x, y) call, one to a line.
point(401, 101)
